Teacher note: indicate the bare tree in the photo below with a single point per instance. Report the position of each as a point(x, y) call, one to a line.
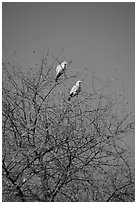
point(56, 150)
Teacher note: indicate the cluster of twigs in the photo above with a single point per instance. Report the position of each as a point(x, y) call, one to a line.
point(55, 150)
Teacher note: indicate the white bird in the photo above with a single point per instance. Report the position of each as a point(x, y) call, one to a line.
point(75, 90)
point(60, 70)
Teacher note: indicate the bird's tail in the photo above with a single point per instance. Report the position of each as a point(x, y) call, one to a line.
point(56, 79)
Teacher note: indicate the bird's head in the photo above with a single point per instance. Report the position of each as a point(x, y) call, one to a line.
point(78, 83)
point(64, 64)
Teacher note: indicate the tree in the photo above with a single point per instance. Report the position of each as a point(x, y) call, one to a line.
point(55, 150)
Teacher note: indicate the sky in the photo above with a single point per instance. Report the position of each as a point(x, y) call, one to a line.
point(96, 35)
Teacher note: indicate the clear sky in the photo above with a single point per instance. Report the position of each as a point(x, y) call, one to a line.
point(99, 36)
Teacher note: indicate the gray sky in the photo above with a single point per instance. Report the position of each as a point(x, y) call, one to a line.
point(100, 36)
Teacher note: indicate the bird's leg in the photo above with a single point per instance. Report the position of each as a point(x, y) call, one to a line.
point(65, 75)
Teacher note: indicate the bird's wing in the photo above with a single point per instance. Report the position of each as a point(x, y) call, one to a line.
point(58, 69)
point(74, 89)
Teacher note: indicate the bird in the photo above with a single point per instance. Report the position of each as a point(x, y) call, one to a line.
point(75, 90)
point(60, 70)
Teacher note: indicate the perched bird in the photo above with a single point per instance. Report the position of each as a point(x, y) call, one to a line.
point(75, 90)
point(60, 70)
